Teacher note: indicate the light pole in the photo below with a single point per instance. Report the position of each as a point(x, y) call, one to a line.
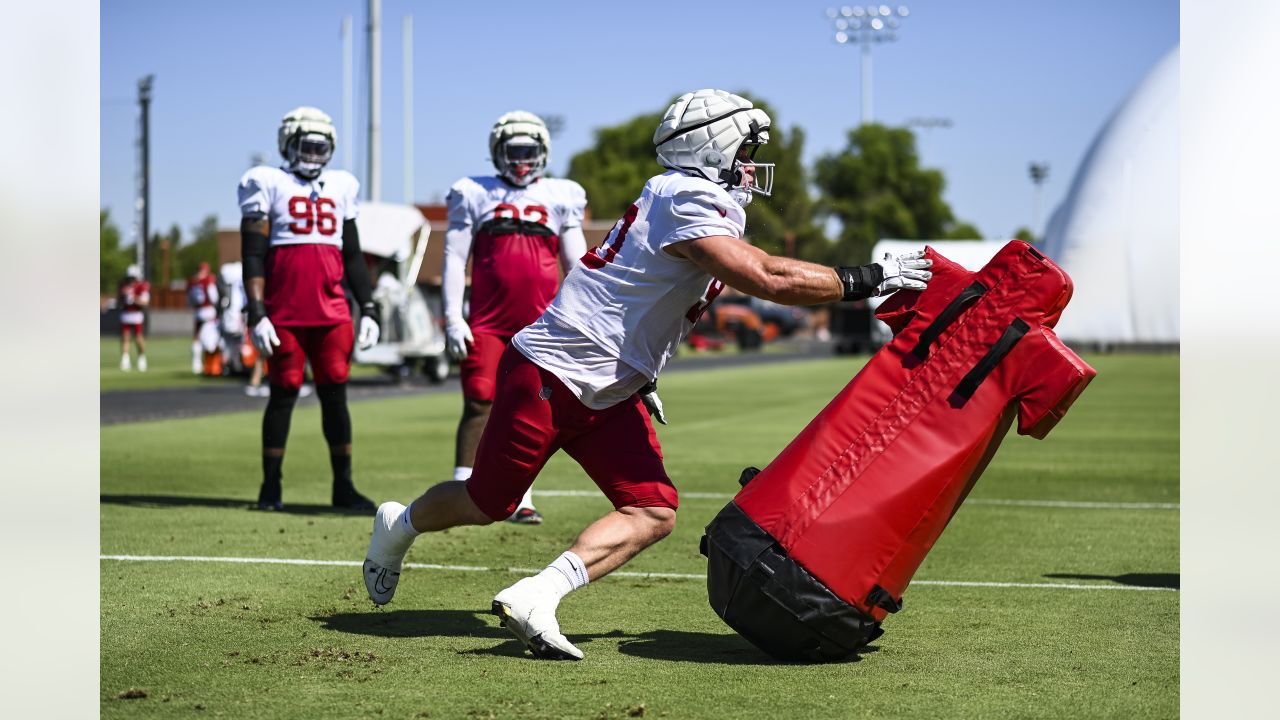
point(143, 202)
point(1039, 172)
point(864, 26)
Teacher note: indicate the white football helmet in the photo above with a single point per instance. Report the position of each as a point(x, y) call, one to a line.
point(714, 134)
point(307, 139)
point(519, 145)
point(133, 271)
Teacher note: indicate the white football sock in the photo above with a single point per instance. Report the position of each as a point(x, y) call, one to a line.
point(527, 502)
point(461, 473)
point(405, 525)
point(566, 574)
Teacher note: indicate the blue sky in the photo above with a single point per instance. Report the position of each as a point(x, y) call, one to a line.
point(1019, 81)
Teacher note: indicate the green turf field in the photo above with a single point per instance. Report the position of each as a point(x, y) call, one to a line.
point(182, 638)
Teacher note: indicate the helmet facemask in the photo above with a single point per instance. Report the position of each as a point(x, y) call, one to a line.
point(522, 160)
point(757, 182)
point(308, 153)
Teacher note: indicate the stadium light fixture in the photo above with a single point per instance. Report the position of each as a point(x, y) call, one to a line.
point(858, 25)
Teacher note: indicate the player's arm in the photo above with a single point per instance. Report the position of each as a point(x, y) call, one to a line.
point(573, 245)
point(796, 282)
point(254, 243)
point(356, 272)
point(457, 248)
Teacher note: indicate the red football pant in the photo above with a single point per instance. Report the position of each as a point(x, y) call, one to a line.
point(328, 347)
point(479, 368)
point(534, 415)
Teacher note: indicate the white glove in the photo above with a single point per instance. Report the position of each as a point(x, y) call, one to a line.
point(368, 333)
point(906, 271)
point(264, 337)
point(458, 334)
point(653, 404)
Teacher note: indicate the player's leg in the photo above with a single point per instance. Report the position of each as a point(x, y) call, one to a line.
point(513, 449)
point(479, 383)
point(124, 347)
point(621, 453)
point(479, 374)
point(329, 349)
point(197, 352)
point(142, 347)
point(285, 378)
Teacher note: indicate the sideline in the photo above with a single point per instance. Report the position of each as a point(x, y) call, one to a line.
point(527, 571)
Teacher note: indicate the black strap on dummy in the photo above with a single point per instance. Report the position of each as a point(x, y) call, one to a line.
point(969, 383)
point(948, 316)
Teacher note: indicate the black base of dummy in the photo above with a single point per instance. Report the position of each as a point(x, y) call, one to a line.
point(774, 602)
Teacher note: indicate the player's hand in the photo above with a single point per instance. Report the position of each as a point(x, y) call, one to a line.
point(458, 334)
point(369, 333)
point(370, 328)
point(264, 337)
point(907, 271)
point(653, 403)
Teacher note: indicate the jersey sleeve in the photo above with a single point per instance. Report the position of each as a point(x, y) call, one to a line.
point(575, 204)
point(458, 205)
point(351, 202)
point(699, 213)
point(254, 193)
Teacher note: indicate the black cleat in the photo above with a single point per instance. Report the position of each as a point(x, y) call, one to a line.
point(269, 497)
point(349, 498)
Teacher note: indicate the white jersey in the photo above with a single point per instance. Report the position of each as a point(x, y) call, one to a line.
point(517, 238)
point(622, 312)
point(553, 202)
point(300, 211)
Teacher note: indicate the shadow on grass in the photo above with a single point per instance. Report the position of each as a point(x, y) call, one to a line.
point(168, 501)
point(666, 645)
point(1151, 580)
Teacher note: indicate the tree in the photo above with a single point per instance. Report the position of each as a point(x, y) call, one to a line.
point(202, 248)
point(1024, 234)
point(876, 188)
point(622, 159)
point(112, 259)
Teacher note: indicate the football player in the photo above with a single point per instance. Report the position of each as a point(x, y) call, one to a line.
point(204, 297)
point(133, 297)
point(520, 230)
point(573, 378)
point(298, 243)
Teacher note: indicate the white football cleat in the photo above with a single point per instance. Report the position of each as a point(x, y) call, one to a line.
point(528, 610)
point(387, 548)
point(142, 363)
point(124, 363)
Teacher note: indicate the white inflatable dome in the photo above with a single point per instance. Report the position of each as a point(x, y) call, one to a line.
point(1116, 233)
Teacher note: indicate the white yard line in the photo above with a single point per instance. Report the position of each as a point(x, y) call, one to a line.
point(529, 571)
point(972, 501)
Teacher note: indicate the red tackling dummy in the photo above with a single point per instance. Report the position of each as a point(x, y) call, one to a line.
point(819, 546)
